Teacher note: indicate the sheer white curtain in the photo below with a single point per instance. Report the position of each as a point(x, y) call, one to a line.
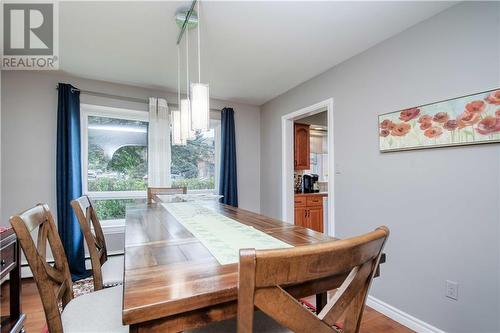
point(159, 154)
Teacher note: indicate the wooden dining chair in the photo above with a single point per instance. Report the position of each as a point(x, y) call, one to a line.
point(95, 312)
point(154, 191)
point(263, 275)
point(103, 276)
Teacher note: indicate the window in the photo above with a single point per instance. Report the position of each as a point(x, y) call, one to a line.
point(319, 157)
point(114, 158)
point(319, 166)
point(194, 165)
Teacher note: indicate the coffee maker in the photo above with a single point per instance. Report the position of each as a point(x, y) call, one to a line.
point(307, 184)
point(315, 184)
point(310, 183)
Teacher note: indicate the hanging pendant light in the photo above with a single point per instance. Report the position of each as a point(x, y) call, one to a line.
point(185, 105)
point(200, 95)
point(176, 128)
point(176, 114)
point(186, 133)
point(200, 107)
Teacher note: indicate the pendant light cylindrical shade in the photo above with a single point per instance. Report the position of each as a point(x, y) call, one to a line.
point(176, 127)
point(200, 107)
point(200, 96)
point(186, 132)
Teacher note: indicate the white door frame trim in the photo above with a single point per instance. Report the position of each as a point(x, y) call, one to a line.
point(287, 151)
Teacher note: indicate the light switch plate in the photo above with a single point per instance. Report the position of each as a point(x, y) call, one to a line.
point(337, 169)
point(451, 289)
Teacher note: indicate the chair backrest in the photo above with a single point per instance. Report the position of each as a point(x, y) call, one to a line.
point(96, 243)
point(53, 282)
point(265, 274)
point(154, 191)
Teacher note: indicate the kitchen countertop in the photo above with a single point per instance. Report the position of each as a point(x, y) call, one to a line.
point(321, 194)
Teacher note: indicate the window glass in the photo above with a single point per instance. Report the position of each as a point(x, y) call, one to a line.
point(117, 154)
point(115, 142)
point(113, 209)
point(193, 165)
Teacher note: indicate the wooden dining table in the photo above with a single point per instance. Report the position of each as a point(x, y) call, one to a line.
point(172, 282)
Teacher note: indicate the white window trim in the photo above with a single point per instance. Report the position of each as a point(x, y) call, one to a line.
point(87, 110)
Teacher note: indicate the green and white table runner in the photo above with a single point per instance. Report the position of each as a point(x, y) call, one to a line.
point(221, 235)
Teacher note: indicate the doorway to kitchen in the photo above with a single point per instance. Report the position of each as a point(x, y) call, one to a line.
point(308, 167)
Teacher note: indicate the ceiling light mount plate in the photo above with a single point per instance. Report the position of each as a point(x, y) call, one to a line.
point(180, 17)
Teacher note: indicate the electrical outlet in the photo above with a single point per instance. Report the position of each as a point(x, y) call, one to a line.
point(451, 289)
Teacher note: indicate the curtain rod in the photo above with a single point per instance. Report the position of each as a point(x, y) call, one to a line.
point(124, 98)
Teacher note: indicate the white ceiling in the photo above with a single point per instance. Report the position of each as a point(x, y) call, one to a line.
point(251, 51)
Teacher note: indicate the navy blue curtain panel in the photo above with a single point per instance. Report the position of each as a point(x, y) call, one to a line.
point(228, 186)
point(68, 177)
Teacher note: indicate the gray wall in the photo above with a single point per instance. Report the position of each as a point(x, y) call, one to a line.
point(442, 205)
point(28, 137)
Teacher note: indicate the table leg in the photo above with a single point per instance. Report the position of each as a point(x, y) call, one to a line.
point(321, 300)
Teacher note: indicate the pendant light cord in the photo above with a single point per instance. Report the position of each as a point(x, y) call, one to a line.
point(178, 76)
point(199, 57)
point(187, 61)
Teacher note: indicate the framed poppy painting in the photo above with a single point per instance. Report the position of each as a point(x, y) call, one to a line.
point(471, 119)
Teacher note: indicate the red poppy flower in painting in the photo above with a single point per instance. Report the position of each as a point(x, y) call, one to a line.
point(384, 133)
point(400, 129)
point(425, 119)
point(409, 114)
point(433, 132)
point(494, 98)
point(451, 125)
point(386, 124)
point(426, 125)
point(488, 125)
point(467, 119)
point(475, 106)
point(441, 117)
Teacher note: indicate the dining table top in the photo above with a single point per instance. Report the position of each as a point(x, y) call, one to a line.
point(169, 271)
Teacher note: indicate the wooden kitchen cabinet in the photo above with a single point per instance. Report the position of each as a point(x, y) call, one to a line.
point(300, 216)
point(315, 218)
point(309, 211)
point(301, 147)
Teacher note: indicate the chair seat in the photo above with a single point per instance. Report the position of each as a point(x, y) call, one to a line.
point(262, 323)
point(97, 312)
point(112, 272)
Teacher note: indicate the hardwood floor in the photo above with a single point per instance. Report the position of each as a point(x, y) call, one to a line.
point(30, 302)
point(373, 321)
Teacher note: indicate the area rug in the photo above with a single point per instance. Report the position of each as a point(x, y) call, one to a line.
point(85, 286)
point(312, 308)
point(82, 287)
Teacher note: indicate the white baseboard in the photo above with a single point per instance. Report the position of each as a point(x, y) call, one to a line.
point(401, 317)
